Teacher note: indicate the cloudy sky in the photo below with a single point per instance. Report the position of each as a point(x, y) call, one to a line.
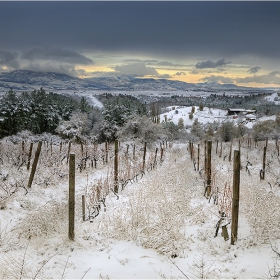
point(225, 42)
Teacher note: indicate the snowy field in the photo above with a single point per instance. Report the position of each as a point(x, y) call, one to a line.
point(207, 115)
point(160, 226)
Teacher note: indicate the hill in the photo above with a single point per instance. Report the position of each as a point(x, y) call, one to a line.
point(25, 80)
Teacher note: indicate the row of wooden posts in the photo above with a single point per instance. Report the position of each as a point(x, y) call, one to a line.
point(236, 177)
point(71, 160)
point(236, 183)
point(71, 203)
point(207, 163)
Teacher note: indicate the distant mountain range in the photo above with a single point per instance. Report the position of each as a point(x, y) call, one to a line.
point(25, 80)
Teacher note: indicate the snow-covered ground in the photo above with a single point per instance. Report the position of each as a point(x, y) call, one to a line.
point(207, 115)
point(161, 227)
point(273, 98)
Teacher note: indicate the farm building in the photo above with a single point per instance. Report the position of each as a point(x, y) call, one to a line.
point(238, 111)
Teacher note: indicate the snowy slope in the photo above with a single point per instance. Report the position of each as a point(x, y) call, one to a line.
point(207, 115)
point(274, 97)
point(95, 254)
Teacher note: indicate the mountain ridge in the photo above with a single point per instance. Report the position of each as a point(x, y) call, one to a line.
point(24, 80)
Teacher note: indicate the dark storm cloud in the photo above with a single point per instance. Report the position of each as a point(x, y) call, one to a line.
point(211, 64)
point(169, 64)
point(62, 68)
point(254, 70)
point(165, 28)
point(9, 59)
point(55, 54)
point(44, 59)
point(146, 61)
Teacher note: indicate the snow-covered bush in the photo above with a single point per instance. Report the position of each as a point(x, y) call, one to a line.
point(264, 129)
point(191, 115)
point(107, 132)
point(228, 131)
point(74, 128)
point(118, 110)
point(46, 220)
point(181, 123)
point(197, 129)
point(141, 128)
point(155, 213)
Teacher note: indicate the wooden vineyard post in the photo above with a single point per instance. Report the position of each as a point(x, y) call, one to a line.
point(106, 152)
point(161, 153)
point(277, 146)
point(221, 149)
point(34, 165)
point(235, 198)
point(60, 147)
point(82, 150)
point(205, 157)
point(217, 144)
point(191, 149)
point(51, 147)
point(83, 207)
point(155, 161)
point(230, 152)
point(144, 156)
point(198, 151)
point(116, 167)
point(71, 199)
point(22, 146)
point(29, 155)
point(225, 233)
point(68, 153)
point(95, 147)
point(133, 152)
point(208, 176)
point(262, 173)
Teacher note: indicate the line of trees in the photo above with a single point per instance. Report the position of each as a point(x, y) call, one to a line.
point(36, 111)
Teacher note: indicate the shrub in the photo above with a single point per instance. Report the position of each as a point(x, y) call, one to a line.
point(264, 129)
point(197, 129)
point(181, 123)
point(191, 116)
point(142, 128)
point(119, 109)
point(227, 131)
